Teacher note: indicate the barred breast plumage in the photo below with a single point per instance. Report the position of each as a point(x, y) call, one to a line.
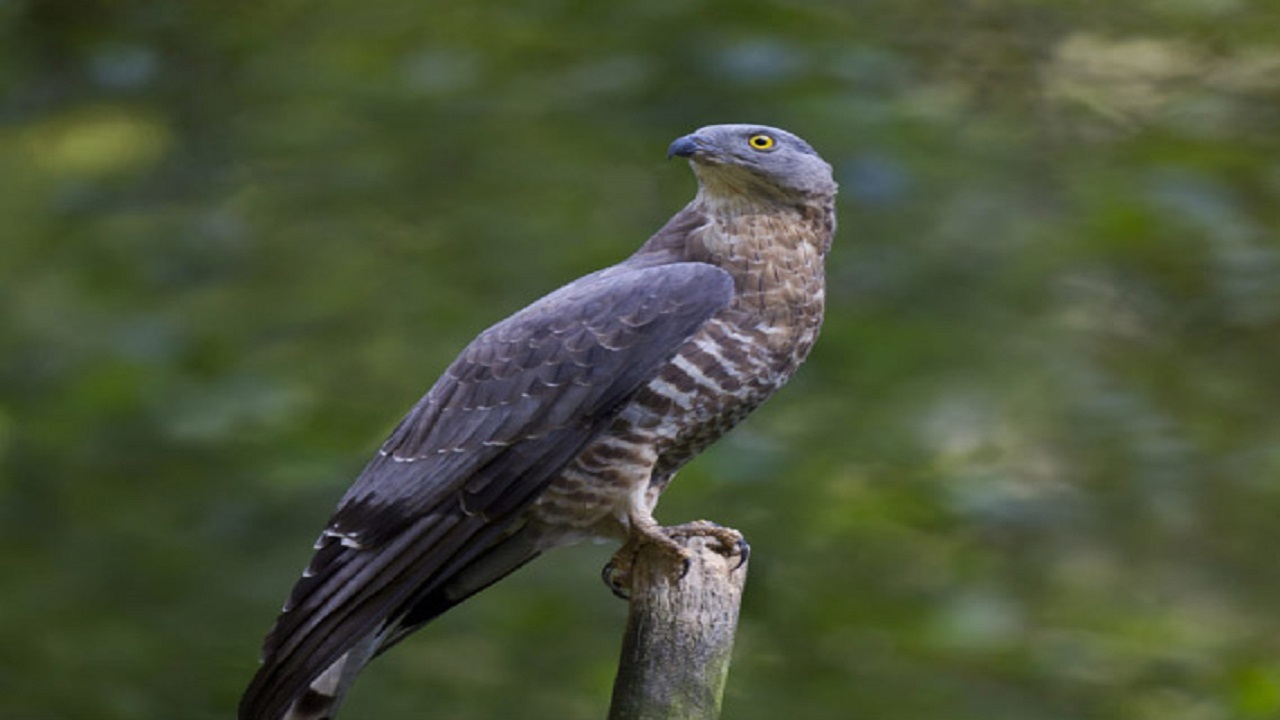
point(735, 362)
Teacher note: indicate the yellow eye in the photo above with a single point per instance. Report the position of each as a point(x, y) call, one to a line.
point(761, 142)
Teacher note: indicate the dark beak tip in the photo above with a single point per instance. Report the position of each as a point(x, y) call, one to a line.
point(682, 147)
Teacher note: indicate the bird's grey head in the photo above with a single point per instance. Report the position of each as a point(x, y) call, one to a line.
point(754, 160)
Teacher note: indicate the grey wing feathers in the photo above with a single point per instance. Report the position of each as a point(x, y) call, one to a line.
point(514, 408)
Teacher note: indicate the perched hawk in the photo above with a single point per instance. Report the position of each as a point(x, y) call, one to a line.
point(567, 420)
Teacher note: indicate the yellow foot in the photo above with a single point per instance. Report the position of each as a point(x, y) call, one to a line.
point(731, 541)
point(617, 573)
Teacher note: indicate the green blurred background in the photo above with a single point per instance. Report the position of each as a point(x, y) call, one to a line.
point(1031, 471)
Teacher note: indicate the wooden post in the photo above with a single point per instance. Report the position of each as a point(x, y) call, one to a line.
point(679, 639)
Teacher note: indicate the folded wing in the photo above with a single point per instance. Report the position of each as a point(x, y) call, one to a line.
point(516, 406)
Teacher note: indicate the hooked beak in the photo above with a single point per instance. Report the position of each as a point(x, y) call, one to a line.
point(684, 147)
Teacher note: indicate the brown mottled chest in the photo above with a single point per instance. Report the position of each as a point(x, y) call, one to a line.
point(749, 350)
point(733, 364)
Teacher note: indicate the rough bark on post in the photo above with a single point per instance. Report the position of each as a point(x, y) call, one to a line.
point(679, 638)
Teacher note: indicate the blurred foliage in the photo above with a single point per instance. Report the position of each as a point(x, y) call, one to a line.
point(1032, 470)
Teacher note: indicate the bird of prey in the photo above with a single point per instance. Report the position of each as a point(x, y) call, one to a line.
point(565, 421)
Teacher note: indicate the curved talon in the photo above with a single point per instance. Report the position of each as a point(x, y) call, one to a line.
point(610, 575)
point(744, 552)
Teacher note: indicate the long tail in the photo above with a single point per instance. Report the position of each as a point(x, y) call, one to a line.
point(321, 699)
point(325, 693)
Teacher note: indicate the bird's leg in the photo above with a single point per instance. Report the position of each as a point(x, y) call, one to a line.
point(646, 531)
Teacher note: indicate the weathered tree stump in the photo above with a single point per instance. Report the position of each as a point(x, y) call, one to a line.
point(680, 630)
